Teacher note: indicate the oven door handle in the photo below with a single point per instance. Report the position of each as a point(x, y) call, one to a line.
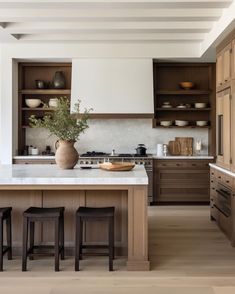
point(220, 210)
point(224, 194)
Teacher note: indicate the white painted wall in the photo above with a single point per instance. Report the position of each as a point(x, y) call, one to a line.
point(113, 85)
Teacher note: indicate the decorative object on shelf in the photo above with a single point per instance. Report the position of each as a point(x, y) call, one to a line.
point(166, 105)
point(53, 103)
point(34, 151)
point(201, 123)
point(187, 85)
point(117, 166)
point(200, 105)
point(181, 123)
point(181, 105)
point(165, 149)
point(141, 149)
point(159, 150)
point(33, 103)
point(59, 80)
point(67, 127)
point(40, 84)
point(166, 123)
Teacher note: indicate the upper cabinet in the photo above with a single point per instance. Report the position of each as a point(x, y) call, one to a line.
point(223, 67)
point(114, 87)
point(225, 103)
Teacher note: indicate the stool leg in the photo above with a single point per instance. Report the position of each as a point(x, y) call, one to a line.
point(1, 244)
point(62, 237)
point(111, 242)
point(9, 238)
point(31, 238)
point(25, 244)
point(77, 243)
point(57, 242)
point(81, 238)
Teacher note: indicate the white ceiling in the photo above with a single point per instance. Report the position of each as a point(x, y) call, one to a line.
point(195, 22)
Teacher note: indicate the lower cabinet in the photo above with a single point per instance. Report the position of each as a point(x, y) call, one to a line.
point(181, 181)
point(222, 202)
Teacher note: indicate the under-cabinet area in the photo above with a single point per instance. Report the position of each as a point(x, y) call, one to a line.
point(181, 181)
point(222, 200)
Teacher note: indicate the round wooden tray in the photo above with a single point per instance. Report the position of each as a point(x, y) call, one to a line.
point(117, 166)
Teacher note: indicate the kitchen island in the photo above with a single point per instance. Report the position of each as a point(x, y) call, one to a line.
point(22, 186)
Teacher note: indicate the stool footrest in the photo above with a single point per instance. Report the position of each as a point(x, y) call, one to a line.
point(95, 246)
point(31, 252)
point(6, 249)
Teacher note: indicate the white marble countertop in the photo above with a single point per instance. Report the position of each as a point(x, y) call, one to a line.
point(184, 157)
point(47, 174)
point(223, 170)
point(34, 157)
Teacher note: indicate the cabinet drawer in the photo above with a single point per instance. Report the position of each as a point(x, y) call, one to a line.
point(187, 164)
point(169, 163)
point(228, 180)
point(202, 164)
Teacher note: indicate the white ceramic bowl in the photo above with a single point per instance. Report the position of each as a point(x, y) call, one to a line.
point(201, 123)
point(166, 123)
point(181, 123)
point(33, 103)
point(200, 105)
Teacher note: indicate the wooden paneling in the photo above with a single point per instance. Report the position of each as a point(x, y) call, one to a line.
point(227, 64)
point(233, 126)
point(21, 200)
point(219, 70)
point(233, 60)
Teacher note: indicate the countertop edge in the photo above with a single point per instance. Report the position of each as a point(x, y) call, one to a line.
point(228, 172)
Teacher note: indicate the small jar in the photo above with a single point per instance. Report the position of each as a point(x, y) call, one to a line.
point(35, 151)
point(53, 103)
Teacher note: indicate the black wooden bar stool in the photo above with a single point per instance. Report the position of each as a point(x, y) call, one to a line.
point(5, 214)
point(39, 214)
point(94, 214)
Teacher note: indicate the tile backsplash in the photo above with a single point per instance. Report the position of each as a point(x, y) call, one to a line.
point(123, 135)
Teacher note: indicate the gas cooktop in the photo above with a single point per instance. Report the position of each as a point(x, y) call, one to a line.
point(103, 154)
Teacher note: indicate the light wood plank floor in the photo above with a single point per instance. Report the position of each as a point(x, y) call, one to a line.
point(189, 255)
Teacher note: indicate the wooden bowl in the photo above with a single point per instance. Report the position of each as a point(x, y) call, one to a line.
point(186, 85)
point(117, 166)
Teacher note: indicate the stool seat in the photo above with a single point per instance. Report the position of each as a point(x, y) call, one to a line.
point(84, 214)
point(89, 212)
point(5, 211)
point(44, 212)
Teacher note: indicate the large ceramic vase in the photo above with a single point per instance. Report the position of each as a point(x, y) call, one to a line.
point(66, 156)
point(59, 80)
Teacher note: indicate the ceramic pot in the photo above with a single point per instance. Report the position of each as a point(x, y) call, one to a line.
point(59, 80)
point(66, 156)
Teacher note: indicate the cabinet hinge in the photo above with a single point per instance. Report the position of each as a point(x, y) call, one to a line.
point(230, 96)
point(231, 50)
point(231, 161)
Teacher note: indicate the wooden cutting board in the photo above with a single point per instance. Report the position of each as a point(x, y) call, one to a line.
point(186, 145)
point(117, 166)
point(174, 148)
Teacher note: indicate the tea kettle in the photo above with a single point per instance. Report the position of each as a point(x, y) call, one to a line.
point(141, 149)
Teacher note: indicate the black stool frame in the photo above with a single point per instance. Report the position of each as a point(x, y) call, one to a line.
point(29, 218)
point(5, 214)
point(94, 214)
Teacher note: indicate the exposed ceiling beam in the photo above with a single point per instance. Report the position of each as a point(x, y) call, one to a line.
point(60, 27)
point(113, 37)
point(34, 15)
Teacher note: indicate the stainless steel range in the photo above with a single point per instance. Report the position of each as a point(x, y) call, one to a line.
point(94, 158)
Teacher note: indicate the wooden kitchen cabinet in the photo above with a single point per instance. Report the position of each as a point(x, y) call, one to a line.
point(233, 60)
point(223, 123)
point(223, 66)
point(233, 126)
point(181, 181)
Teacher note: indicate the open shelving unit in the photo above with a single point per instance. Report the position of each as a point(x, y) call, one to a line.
point(167, 77)
point(28, 73)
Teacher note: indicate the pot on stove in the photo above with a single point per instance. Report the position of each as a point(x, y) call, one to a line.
point(141, 149)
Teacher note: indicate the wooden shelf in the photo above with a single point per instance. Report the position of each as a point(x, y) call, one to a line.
point(45, 91)
point(183, 92)
point(182, 109)
point(187, 127)
point(37, 109)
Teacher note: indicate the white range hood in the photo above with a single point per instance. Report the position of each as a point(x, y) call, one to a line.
point(113, 85)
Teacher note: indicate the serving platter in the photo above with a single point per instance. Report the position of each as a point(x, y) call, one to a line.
point(117, 166)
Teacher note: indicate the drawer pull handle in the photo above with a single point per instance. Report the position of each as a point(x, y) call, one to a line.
point(227, 181)
point(212, 181)
point(219, 177)
point(194, 164)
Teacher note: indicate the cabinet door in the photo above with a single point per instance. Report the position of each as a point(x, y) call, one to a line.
point(233, 126)
point(219, 70)
point(223, 129)
point(233, 60)
point(227, 63)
